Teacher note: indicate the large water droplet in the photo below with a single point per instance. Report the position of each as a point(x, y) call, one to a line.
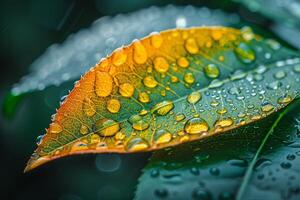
point(183, 62)
point(224, 122)
point(244, 53)
point(194, 97)
point(126, 90)
point(119, 57)
point(150, 82)
point(140, 55)
point(212, 71)
point(113, 105)
point(106, 127)
point(137, 144)
point(162, 136)
point(191, 46)
point(196, 126)
point(161, 64)
point(162, 108)
point(189, 78)
point(144, 97)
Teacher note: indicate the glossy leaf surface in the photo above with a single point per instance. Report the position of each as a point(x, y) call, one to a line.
point(171, 88)
point(258, 161)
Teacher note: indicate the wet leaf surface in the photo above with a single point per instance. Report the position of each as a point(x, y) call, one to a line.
point(216, 168)
point(170, 88)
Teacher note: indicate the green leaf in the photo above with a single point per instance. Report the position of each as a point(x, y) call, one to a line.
point(69, 60)
point(258, 161)
point(170, 88)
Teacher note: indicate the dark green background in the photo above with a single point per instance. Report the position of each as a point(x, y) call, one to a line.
point(27, 28)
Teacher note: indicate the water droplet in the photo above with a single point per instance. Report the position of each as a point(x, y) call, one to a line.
point(222, 111)
point(297, 68)
point(179, 117)
point(140, 125)
point(162, 108)
point(274, 85)
point(196, 126)
point(215, 83)
point(154, 173)
point(144, 97)
point(113, 105)
point(262, 163)
point(191, 46)
point(224, 122)
point(174, 79)
point(162, 136)
point(290, 157)
point(88, 107)
point(126, 90)
point(55, 128)
point(84, 129)
point(189, 78)
point(285, 99)
point(103, 84)
point(267, 107)
point(156, 40)
point(137, 144)
point(139, 53)
point(280, 74)
point(150, 82)
point(244, 53)
point(214, 103)
point(79, 146)
point(238, 163)
point(201, 194)
point(195, 171)
point(120, 136)
point(119, 57)
point(194, 97)
point(161, 192)
point(234, 90)
point(39, 139)
point(226, 196)
point(286, 165)
point(161, 64)
point(214, 171)
point(183, 62)
point(106, 127)
point(212, 71)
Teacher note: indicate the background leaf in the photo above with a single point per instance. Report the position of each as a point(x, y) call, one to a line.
point(81, 51)
point(215, 168)
point(169, 88)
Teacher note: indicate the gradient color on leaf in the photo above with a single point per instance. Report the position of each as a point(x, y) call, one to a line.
point(170, 88)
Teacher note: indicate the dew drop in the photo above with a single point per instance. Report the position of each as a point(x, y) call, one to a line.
point(140, 125)
point(189, 78)
point(222, 111)
point(161, 192)
point(139, 53)
point(191, 46)
point(119, 57)
point(244, 53)
point(156, 40)
point(211, 71)
point(150, 82)
point(194, 97)
point(196, 126)
point(286, 165)
point(280, 74)
point(161, 64)
point(103, 84)
point(55, 128)
point(120, 136)
point(84, 129)
point(195, 171)
point(154, 173)
point(39, 139)
point(267, 107)
point(234, 90)
point(126, 90)
point(285, 99)
point(297, 68)
point(162, 108)
point(137, 144)
point(144, 97)
point(106, 127)
point(274, 85)
point(224, 122)
point(88, 107)
point(162, 136)
point(113, 105)
point(179, 117)
point(200, 194)
point(214, 171)
point(290, 157)
point(183, 62)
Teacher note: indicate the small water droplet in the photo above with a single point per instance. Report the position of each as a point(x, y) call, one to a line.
point(267, 107)
point(290, 157)
point(119, 57)
point(286, 165)
point(189, 78)
point(183, 62)
point(161, 64)
point(214, 171)
point(106, 127)
point(285, 99)
point(55, 128)
point(161, 192)
point(211, 71)
point(39, 139)
point(280, 74)
point(126, 90)
point(226, 122)
point(144, 97)
point(191, 46)
point(156, 40)
point(201, 194)
point(297, 68)
point(162, 136)
point(137, 144)
point(179, 117)
point(150, 82)
point(113, 105)
point(162, 108)
point(244, 53)
point(140, 55)
point(194, 97)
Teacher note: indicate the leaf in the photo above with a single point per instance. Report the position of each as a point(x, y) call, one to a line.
point(285, 14)
point(69, 60)
point(258, 161)
point(170, 88)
